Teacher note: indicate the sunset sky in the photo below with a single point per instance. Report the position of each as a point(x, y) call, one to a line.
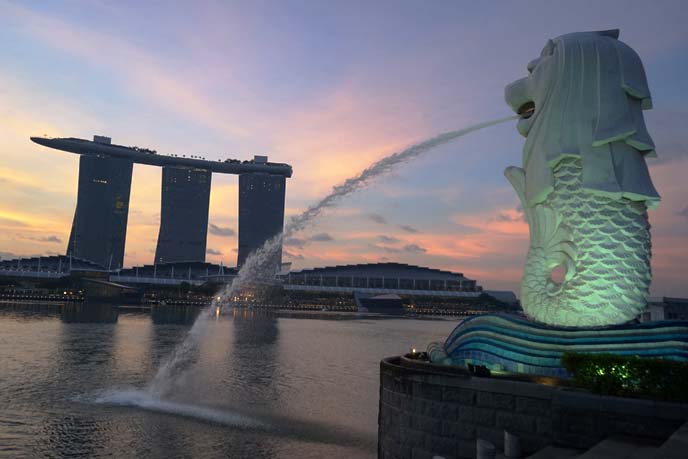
point(327, 87)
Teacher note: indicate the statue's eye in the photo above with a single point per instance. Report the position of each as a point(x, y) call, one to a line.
point(532, 64)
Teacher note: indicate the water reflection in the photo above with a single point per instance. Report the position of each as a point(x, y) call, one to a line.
point(28, 311)
point(251, 373)
point(254, 327)
point(174, 314)
point(132, 345)
point(170, 326)
point(255, 345)
point(84, 351)
point(267, 389)
point(312, 382)
point(89, 313)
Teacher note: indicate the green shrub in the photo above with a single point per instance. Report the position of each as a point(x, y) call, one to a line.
point(622, 375)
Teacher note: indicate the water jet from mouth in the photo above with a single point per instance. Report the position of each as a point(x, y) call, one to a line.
point(526, 110)
point(259, 265)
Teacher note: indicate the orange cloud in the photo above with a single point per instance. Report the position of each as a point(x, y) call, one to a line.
point(500, 221)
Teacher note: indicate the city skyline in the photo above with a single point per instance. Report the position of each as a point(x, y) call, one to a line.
point(326, 91)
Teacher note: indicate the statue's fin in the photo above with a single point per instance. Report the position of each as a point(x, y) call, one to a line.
point(549, 233)
point(517, 177)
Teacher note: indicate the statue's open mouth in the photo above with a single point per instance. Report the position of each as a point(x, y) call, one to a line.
point(526, 110)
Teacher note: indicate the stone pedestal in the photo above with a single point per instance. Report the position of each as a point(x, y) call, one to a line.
point(428, 410)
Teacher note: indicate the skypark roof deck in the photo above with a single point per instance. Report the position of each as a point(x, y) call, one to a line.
point(151, 157)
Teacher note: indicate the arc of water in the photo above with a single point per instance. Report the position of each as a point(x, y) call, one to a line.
point(258, 266)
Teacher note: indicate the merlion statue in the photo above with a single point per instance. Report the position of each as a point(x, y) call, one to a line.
point(584, 185)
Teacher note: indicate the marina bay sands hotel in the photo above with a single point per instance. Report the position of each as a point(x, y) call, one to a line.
point(100, 220)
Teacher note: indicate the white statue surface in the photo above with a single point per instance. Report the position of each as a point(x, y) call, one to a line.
point(584, 184)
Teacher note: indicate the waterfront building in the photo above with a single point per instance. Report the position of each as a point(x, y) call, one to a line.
point(665, 308)
point(386, 286)
point(261, 212)
point(383, 277)
point(99, 228)
point(175, 273)
point(184, 214)
point(47, 267)
point(386, 303)
point(100, 220)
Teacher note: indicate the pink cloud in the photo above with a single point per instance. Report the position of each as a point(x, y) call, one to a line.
point(150, 78)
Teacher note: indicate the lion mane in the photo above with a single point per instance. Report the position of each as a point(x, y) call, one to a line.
point(589, 96)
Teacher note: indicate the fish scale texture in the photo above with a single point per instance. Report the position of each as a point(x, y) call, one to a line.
point(603, 242)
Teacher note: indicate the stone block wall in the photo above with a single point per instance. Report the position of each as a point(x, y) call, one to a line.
point(425, 411)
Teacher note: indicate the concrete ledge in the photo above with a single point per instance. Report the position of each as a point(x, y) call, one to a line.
point(428, 409)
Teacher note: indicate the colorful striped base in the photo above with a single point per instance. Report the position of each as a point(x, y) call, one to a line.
point(514, 344)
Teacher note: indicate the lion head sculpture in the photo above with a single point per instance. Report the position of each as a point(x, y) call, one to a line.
point(584, 184)
point(584, 97)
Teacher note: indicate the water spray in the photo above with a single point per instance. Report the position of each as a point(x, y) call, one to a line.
point(260, 266)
